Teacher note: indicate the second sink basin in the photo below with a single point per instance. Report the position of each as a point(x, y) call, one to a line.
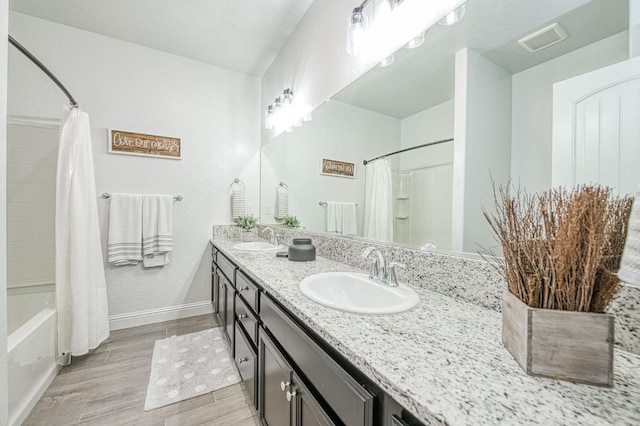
point(354, 292)
point(256, 246)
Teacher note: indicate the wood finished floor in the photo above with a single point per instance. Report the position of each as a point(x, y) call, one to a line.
point(108, 387)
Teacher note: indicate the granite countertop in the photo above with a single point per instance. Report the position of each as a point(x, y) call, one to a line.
point(444, 359)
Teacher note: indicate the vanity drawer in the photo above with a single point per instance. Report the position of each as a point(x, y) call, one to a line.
point(248, 320)
point(227, 267)
point(246, 359)
point(248, 290)
point(350, 401)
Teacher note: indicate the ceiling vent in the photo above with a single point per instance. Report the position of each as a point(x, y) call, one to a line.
point(541, 39)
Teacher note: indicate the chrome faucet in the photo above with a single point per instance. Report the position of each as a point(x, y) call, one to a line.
point(379, 269)
point(273, 237)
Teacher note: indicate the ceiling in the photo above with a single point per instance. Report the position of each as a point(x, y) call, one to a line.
point(241, 35)
point(424, 77)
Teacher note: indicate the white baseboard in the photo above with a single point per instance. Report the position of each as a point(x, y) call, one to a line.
point(152, 316)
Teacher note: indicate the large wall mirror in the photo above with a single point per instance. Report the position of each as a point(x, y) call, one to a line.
point(537, 115)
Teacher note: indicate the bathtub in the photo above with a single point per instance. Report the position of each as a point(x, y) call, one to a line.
point(31, 347)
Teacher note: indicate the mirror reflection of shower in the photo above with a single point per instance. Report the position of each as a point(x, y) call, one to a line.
point(421, 198)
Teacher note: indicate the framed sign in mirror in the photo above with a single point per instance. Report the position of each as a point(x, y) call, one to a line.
point(130, 143)
point(337, 168)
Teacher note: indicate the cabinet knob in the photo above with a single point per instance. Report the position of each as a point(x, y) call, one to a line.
point(245, 288)
point(242, 360)
point(242, 316)
point(290, 395)
point(284, 385)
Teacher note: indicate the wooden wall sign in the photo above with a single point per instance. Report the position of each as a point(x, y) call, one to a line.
point(337, 168)
point(129, 143)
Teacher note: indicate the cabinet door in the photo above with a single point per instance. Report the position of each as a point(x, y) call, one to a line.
point(215, 289)
point(307, 411)
point(229, 313)
point(222, 300)
point(274, 382)
point(247, 363)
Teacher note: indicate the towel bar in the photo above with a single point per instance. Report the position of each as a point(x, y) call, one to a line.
point(324, 204)
point(106, 196)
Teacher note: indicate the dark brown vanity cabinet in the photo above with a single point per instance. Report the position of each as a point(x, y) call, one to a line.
point(284, 398)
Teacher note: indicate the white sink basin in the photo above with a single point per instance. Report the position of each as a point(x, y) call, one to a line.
point(256, 246)
point(353, 292)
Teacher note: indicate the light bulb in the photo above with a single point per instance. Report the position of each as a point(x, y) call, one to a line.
point(453, 16)
point(415, 42)
point(388, 61)
point(268, 117)
point(356, 30)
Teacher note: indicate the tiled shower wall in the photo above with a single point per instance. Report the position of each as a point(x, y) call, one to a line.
point(31, 193)
point(464, 277)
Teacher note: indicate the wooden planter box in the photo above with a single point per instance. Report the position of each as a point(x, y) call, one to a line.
point(574, 346)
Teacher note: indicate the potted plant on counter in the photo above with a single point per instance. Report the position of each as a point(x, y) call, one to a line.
point(561, 252)
point(291, 222)
point(248, 224)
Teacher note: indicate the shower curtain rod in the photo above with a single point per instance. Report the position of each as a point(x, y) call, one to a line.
point(407, 149)
point(44, 69)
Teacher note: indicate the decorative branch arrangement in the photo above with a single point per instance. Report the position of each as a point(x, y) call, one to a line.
point(561, 249)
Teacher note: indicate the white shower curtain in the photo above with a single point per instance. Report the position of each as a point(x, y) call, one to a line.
point(378, 221)
point(81, 291)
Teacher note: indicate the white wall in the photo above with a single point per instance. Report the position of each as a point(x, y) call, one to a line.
point(433, 124)
point(31, 196)
point(4, 10)
point(533, 107)
point(125, 86)
point(339, 132)
point(481, 147)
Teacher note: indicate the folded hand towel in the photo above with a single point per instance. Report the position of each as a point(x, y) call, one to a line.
point(238, 204)
point(282, 204)
point(157, 233)
point(125, 229)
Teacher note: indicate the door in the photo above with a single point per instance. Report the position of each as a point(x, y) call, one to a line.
point(215, 289)
point(229, 312)
point(222, 299)
point(274, 383)
point(307, 411)
point(596, 130)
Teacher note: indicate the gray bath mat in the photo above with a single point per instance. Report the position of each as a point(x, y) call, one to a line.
point(187, 366)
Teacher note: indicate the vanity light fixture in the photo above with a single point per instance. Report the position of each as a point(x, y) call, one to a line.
point(283, 114)
point(375, 26)
point(453, 16)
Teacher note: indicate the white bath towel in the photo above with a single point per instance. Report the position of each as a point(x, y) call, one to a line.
point(349, 219)
point(334, 217)
point(238, 204)
point(282, 204)
point(125, 229)
point(342, 218)
point(157, 230)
